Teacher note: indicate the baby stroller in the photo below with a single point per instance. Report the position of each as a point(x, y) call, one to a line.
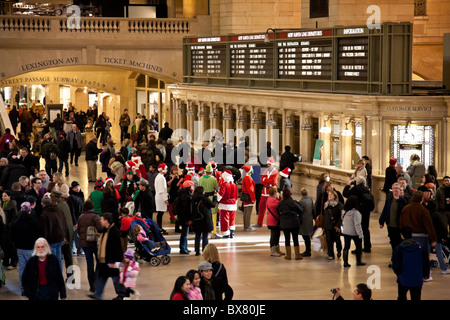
point(141, 252)
point(445, 254)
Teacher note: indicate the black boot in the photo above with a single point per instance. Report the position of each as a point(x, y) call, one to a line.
point(345, 258)
point(358, 259)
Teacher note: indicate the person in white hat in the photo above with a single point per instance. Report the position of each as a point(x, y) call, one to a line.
point(161, 195)
point(268, 180)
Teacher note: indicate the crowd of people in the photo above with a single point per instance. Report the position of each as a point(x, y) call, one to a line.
point(148, 173)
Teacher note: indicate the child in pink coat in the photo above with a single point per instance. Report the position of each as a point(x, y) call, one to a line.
point(129, 270)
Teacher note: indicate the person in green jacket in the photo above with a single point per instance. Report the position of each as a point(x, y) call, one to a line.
point(97, 195)
point(211, 185)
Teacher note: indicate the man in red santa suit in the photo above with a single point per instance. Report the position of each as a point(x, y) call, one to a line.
point(268, 180)
point(139, 165)
point(227, 197)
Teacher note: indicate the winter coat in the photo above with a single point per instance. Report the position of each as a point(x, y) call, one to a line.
point(285, 184)
point(53, 224)
point(113, 252)
point(183, 205)
point(128, 274)
point(64, 149)
point(417, 217)
point(272, 204)
point(416, 171)
point(75, 202)
point(290, 212)
point(110, 204)
point(161, 194)
point(201, 213)
point(11, 174)
point(322, 198)
point(195, 293)
point(248, 186)
point(307, 226)
point(25, 231)
point(55, 281)
point(351, 223)
point(386, 213)
point(87, 219)
point(410, 263)
point(92, 151)
point(332, 215)
point(442, 193)
point(389, 179)
point(74, 136)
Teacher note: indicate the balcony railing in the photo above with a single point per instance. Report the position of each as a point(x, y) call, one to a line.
point(124, 26)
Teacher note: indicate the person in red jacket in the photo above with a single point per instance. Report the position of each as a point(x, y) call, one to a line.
point(268, 180)
point(272, 222)
point(248, 187)
point(227, 197)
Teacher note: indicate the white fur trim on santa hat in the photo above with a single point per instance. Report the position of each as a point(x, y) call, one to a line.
point(285, 172)
point(271, 160)
point(227, 176)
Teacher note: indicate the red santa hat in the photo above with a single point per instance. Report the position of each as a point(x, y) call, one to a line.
point(137, 160)
point(285, 172)
point(213, 164)
point(109, 179)
point(190, 166)
point(201, 170)
point(130, 164)
point(246, 168)
point(162, 167)
point(271, 161)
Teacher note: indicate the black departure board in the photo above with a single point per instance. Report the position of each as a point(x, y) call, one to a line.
point(339, 59)
point(208, 56)
point(305, 59)
point(353, 58)
point(250, 57)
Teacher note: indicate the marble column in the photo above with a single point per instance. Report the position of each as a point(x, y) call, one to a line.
point(306, 147)
point(288, 128)
point(345, 145)
point(326, 137)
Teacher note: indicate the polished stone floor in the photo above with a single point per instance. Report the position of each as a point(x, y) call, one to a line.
point(252, 272)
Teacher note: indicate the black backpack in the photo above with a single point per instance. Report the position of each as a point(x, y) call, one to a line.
point(367, 203)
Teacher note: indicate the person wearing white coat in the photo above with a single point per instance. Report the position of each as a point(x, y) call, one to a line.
point(352, 230)
point(161, 195)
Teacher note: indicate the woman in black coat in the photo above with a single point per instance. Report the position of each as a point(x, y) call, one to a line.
point(290, 212)
point(110, 204)
point(332, 222)
point(9, 207)
point(202, 217)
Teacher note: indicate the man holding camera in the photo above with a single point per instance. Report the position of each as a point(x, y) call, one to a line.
point(361, 292)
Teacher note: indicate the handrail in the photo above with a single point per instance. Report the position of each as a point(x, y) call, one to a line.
point(96, 25)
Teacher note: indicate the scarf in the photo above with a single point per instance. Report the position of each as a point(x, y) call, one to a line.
point(103, 240)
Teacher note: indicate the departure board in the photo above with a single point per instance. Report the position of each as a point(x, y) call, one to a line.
point(353, 58)
point(306, 55)
point(208, 56)
point(251, 59)
point(338, 59)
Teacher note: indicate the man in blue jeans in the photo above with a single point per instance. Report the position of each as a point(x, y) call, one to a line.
point(109, 252)
point(25, 232)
